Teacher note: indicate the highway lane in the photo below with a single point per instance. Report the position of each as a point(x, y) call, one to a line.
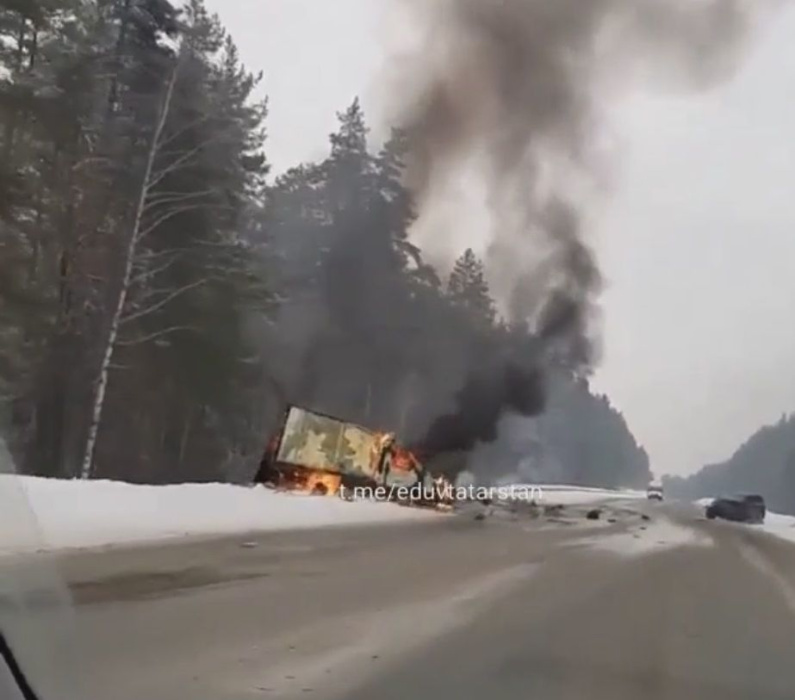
point(507, 608)
point(712, 620)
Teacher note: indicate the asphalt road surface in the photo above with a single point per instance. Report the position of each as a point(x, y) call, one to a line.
point(667, 607)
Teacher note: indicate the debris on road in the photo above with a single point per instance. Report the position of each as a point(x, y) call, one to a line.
point(609, 512)
point(661, 534)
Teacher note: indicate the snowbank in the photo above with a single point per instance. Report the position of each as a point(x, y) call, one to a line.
point(780, 526)
point(582, 495)
point(47, 514)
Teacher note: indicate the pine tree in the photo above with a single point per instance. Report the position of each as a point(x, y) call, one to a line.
point(341, 231)
point(788, 478)
point(81, 86)
point(468, 289)
point(43, 105)
point(107, 70)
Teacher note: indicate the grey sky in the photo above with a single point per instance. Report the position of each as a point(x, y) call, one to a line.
point(697, 240)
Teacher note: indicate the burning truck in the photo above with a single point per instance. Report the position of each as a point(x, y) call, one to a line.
point(322, 455)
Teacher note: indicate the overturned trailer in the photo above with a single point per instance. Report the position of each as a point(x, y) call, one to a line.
point(323, 455)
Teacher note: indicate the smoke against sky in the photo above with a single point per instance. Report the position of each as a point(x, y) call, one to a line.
point(694, 244)
point(516, 89)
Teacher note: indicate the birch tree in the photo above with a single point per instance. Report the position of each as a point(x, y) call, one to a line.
point(193, 280)
point(150, 179)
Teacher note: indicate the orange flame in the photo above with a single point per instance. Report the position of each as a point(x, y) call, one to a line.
point(404, 460)
point(323, 483)
point(310, 481)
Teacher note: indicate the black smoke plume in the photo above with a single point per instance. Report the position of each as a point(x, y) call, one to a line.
point(519, 89)
point(483, 399)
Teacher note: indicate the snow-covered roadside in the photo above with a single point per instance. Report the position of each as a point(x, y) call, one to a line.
point(779, 525)
point(44, 514)
point(557, 494)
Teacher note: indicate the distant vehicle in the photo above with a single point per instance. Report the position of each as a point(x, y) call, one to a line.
point(742, 509)
point(654, 492)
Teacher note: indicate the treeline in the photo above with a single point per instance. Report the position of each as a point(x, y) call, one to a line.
point(580, 439)
point(131, 160)
point(160, 301)
point(764, 464)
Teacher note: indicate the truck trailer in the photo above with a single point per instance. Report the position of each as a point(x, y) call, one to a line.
point(320, 454)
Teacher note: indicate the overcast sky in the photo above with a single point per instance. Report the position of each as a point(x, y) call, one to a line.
point(697, 240)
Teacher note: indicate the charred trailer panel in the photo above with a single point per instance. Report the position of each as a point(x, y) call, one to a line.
point(317, 453)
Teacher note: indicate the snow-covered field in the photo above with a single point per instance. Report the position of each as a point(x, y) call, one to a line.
point(43, 514)
point(779, 525)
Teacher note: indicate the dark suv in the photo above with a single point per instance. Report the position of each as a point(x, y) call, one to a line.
point(742, 509)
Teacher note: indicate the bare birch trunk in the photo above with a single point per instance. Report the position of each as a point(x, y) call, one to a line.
point(121, 301)
point(183, 443)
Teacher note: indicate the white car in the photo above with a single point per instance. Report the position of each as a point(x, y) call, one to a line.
point(654, 492)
